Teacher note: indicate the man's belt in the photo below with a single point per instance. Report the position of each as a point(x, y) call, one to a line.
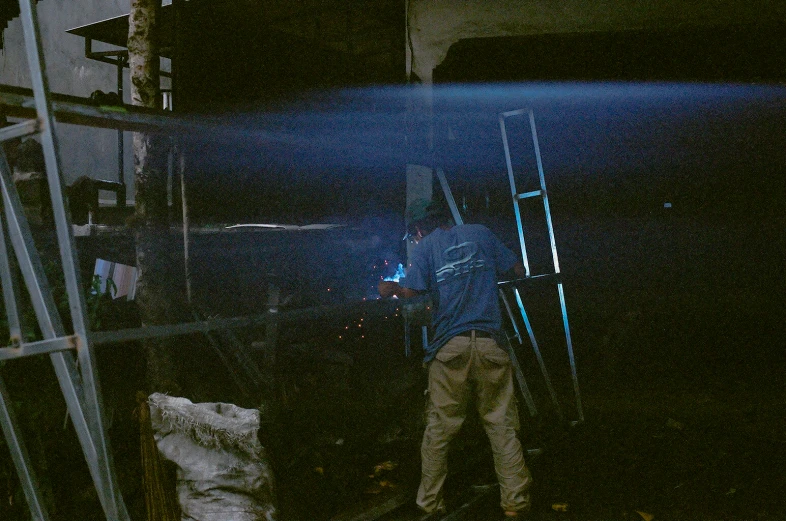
point(478, 334)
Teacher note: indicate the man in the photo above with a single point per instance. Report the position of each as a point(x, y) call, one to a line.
point(459, 266)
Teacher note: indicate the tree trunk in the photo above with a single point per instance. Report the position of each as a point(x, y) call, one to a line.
point(155, 291)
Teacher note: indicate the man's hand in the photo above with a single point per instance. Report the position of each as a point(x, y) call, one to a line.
point(388, 288)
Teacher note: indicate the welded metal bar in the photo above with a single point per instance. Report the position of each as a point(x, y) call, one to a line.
point(27, 257)
point(513, 190)
point(523, 387)
point(527, 195)
point(538, 355)
point(449, 197)
point(185, 328)
point(510, 113)
point(542, 178)
point(25, 128)
point(510, 315)
point(106, 485)
point(8, 286)
point(573, 374)
point(46, 312)
point(41, 347)
point(534, 279)
point(24, 468)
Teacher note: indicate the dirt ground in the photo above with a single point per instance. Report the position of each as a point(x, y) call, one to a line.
point(671, 449)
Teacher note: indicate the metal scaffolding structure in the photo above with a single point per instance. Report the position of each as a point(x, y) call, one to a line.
point(73, 355)
point(75, 373)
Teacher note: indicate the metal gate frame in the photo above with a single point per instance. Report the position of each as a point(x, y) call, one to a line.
point(512, 286)
point(543, 194)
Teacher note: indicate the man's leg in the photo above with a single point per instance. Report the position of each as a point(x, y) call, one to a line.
point(447, 404)
point(496, 405)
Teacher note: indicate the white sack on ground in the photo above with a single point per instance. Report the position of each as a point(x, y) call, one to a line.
point(222, 472)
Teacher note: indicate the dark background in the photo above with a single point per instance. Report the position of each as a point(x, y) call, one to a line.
point(676, 313)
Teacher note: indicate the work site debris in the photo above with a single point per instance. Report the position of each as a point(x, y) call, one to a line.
point(559, 507)
point(222, 471)
point(382, 467)
point(380, 483)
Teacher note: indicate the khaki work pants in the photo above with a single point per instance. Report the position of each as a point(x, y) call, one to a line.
point(464, 369)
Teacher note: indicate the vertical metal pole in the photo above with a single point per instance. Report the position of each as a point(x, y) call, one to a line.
point(48, 318)
point(543, 192)
point(538, 355)
point(573, 374)
point(107, 487)
point(514, 192)
point(121, 176)
point(7, 278)
point(181, 162)
point(449, 197)
point(510, 315)
point(24, 468)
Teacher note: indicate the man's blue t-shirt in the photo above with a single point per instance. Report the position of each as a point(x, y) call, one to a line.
point(459, 267)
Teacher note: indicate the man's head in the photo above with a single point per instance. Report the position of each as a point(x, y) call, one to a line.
point(424, 216)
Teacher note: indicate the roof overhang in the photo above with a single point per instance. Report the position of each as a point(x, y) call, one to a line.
point(114, 31)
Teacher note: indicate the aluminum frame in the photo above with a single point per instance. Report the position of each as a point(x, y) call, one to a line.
point(79, 386)
point(543, 194)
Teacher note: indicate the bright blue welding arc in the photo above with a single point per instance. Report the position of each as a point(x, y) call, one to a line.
point(400, 274)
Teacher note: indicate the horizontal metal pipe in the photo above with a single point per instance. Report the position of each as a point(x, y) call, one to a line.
point(25, 128)
point(526, 195)
point(50, 345)
point(379, 307)
point(551, 277)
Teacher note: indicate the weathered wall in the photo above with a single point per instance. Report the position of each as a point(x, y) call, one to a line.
point(434, 25)
point(83, 150)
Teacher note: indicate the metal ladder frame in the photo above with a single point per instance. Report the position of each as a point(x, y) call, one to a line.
point(517, 198)
point(76, 374)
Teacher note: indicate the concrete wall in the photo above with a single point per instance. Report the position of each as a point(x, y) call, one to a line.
point(83, 150)
point(434, 25)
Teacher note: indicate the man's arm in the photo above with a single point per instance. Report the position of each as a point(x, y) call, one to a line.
point(390, 289)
